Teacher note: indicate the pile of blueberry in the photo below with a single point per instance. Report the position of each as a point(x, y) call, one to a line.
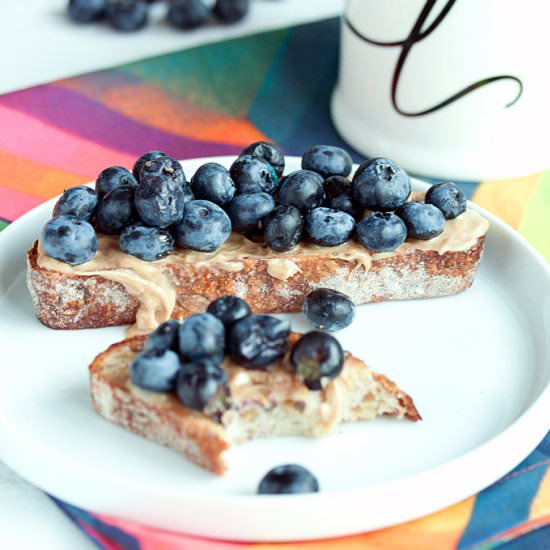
point(132, 15)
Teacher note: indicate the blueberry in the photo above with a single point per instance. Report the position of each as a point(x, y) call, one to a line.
point(229, 309)
point(112, 178)
point(288, 479)
point(268, 152)
point(213, 183)
point(166, 166)
point(86, 11)
point(164, 337)
point(335, 186)
point(253, 175)
point(116, 210)
point(69, 239)
point(346, 203)
point(204, 227)
point(448, 198)
point(327, 160)
point(146, 243)
point(127, 15)
point(231, 11)
point(80, 201)
point(329, 227)
point(329, 309)
point(283, 228)
point(423, 221)
point(258, 340)
point(187, 14)
point(155, 370)
point(248, 211)
point(317, 356)
point(151, 155)
point(381, 231)
point(201, 335)
point(302, 189)
point(380, 184)
point(199, 383)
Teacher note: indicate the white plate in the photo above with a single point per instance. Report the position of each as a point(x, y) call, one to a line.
point(476, 364)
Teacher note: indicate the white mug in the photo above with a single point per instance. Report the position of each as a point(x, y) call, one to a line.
point(456, 89)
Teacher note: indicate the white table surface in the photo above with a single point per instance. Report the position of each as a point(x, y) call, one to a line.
point(38, 45)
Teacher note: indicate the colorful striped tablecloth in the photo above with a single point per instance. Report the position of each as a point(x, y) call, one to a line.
point(214, 100)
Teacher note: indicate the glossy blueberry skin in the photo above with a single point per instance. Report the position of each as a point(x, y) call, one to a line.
point(229, 309)
point(151, 155)
point(253, 175)
point(302, 189)
point(268, 152)
point(201, 335)
point(327, 160)
point(80, 201)
point(127, 15)
point(258, 340)
point(198, 382)
point(380, 184)
point(248, 211)
point(163, 166)
point(423, 221)
point(112, 178)
point(116, 210)
point(187, 14)
point(86, 11)
point(329, 309)
point(448, 198)
point(164, 337)
point(381, 231)
point(288, 479)
point(346, 203)
point(283, 228)
point(146, 243)
point(69, 239)
point(155, 370)
point(231, 11)
point(315, 356)
point(212, 182)
point(335, 186)
point(329, 227)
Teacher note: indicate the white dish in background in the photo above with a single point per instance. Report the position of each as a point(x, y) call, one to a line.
point(477, 365)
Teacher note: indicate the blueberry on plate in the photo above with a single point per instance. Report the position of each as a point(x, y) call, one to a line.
point(329, 227)
point(346, 203)
point(253, 175)
point(258, 340)
point(448, 198)
point(229, 309)
point(336, 185)
point(302, 189)
point(163, 166)
point(164, 337)
point(146, 243)
point(204, 227)
point(231, 11)
point(116, 210)
point(127, 15)
point(329, 309)
point(151, 155)
point(80, 201)
point(423, 221)
point(187, 14)
point(155, 370)
point(288, 479)
point(268, 152)
point(86, 11)
point(283, 227)
point(202, 335)
point(248, 211)
point(69, 239)
point(112, 178)
point(381, 231)
point(317, 356)
point(199, 383)
point(380, 184)
point(212, 182)
point(327, 160)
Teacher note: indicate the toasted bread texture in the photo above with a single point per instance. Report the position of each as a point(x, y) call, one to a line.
point(262, 403)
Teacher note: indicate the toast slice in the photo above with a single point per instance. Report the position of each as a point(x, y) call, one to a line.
point(263, 403)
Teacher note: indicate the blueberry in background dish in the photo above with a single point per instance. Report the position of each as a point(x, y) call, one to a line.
point(212, 182)
point(231, 11)
point(164, 337)
point(187, 14)
point(283, 228)
point(423, 221)
point(79, 201)
point(288, 479)
point(248, 211)
point(229, 309)
point(155, 370)
point(327, 160)
point(201, 336)
point(127, 15)
point(253, 175)
point(302, 189)
point(328, 309)
point(448, 197)
point(69, 239)
point(381, 231)
point(329, 227)
point(151, 155)
point(269, 152)
point(199, 382)
point(86, 11)
point(112, 178)
point(145, 242)
point(116, 210)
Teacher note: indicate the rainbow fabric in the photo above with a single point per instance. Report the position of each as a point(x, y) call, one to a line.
point(214, 100)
